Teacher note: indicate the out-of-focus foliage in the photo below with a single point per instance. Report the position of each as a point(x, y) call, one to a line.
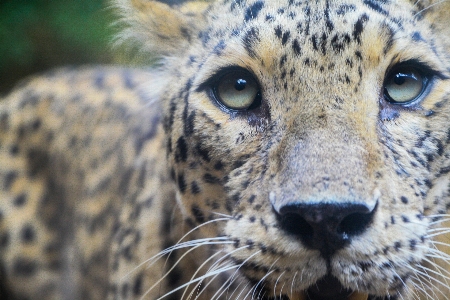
point(36, 35)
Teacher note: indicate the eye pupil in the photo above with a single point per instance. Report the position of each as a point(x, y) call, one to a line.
point(399, 78)
point(240, 84)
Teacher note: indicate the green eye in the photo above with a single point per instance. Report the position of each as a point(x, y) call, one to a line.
point(403, 85)
point(238, 90)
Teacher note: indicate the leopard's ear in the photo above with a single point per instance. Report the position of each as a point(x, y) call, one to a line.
point(159, 28)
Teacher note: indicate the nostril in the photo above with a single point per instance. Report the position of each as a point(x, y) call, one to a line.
point(296, 225)
point(354, 224)
point(326, 227)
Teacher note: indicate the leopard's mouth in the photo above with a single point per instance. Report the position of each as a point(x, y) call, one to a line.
point(352, 296)
point(328, 288)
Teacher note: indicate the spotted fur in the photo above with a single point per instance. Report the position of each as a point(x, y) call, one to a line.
point(141, 184)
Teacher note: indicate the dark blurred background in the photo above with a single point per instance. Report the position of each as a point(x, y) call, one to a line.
point(37, 35)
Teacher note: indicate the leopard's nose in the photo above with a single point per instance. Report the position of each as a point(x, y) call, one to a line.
point(326, 227)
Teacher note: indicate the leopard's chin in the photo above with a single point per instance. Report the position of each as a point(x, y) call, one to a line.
point(352, 296)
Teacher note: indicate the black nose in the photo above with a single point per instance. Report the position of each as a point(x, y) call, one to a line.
point(326, 227)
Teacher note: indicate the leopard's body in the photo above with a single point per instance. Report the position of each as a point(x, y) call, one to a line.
point(279, 150)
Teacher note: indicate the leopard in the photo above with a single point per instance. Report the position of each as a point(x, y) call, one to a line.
point(273, 150)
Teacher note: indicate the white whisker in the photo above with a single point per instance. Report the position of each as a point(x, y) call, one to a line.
point(215, 265)
point(233, 276)
point(428, 7)
point(444, 231)
point(193, 243)
point(196, 280)
point(177, 246)
point(430, 279)
point(292, 283)
point(198, 270)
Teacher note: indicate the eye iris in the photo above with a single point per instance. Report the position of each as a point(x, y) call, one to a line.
point(240, 84)
point(404, 85)
point(237, 90)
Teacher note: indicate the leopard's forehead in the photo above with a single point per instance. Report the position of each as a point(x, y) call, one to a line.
point(327, 28)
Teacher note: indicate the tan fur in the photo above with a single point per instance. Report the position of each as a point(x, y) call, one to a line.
point(140, 184)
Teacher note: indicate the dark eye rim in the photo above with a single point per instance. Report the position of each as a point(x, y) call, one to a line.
point(212, 85)
point(425, 72)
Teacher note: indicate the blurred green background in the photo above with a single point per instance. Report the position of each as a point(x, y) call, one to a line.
point(36, 35)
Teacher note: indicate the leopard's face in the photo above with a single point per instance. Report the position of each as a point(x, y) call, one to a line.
point(317, 133)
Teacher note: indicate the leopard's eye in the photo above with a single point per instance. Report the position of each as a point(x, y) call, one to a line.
point(238, 90)
point(404, 84)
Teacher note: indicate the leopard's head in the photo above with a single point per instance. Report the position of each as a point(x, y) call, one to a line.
point(312, 137)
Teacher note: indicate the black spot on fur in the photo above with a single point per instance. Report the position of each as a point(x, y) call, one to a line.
point(253, 11)
point(36, 125)
point(211, 179)
point(444, 170)
point(250, 244)
point(137, 286)
point(198, 214)
point(168, 120)
point(417, 37)
point(314, 42)
point(10, 177)
point(181, 183)
point(250, 38)
point(20, 200)
point(4, 240)
point(174, 278)
point(14, 150)
point(195, 189)
point(181, 150)
point(328, 23)
point(376, 6)
point(285, 37)
point(283, 60)
point(339, 43)
point(218, 165)
point(412, 244)
point(24, 267)
point(185, 33)
point(278, 32)
point(190, 121)
point(269, 18)
point(28, 234)
point(344, 9)
point(203, 153)
point(296, 47)
point(359, 27)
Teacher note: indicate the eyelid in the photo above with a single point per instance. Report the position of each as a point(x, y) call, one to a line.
point(424, 67)
point(214, 76)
